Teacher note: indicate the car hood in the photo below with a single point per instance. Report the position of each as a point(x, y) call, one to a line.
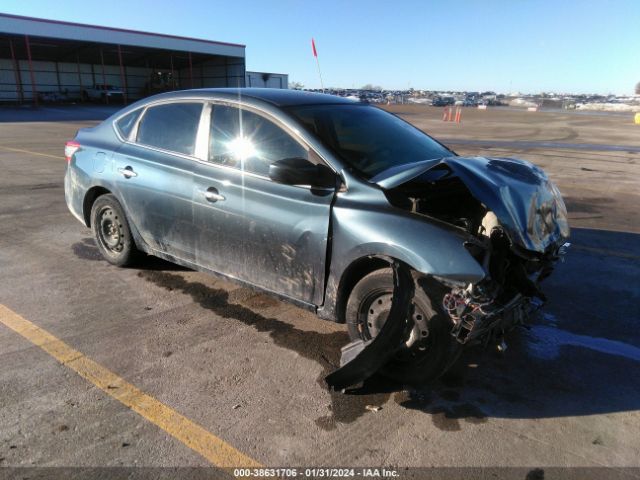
point(527, 204)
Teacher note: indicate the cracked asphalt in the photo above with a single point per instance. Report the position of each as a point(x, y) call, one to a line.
point(249, 368)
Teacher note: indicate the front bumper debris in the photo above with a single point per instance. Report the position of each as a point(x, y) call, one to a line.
point(475, 321)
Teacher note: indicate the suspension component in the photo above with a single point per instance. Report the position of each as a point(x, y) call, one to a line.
point(475, 317)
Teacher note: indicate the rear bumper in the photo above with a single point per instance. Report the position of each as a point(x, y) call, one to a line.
point(73, 195)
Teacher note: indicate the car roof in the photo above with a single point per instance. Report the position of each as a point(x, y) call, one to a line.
point(275, 96)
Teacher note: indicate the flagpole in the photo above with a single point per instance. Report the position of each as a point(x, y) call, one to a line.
point(320, 74)
point(315, 54)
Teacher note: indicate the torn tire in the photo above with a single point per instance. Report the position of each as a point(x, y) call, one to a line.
point(363, 358)
point(428, 349)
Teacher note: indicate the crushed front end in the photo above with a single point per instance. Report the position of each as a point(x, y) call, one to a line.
point(507, 297)
point(512, 221)
point(517, 225)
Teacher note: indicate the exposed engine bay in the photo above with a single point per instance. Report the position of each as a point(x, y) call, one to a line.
point(510, 292)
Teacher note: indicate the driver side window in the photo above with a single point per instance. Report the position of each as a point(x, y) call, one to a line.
point(245, 140)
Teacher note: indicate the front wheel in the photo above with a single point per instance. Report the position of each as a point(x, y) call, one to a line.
point(429, 350)
point(112, 233)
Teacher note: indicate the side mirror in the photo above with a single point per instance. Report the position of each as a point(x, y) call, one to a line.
point(300, 171)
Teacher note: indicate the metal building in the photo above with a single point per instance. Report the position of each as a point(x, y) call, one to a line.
point(42, 60)
point(267, 80)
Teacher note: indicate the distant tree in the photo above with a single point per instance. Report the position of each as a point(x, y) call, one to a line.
point(638, 88)
point(368, 86)
point(296, 85)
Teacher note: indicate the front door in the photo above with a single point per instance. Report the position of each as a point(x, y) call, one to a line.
point(271, 235)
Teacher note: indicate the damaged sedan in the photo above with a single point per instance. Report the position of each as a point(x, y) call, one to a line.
point(334, 205)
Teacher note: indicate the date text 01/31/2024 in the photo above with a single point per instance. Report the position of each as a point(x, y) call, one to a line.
point(314, 472)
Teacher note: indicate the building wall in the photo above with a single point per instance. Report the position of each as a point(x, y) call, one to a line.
point(52, 43)
point(7, 80)
point(267, 80)
point(69, 79)
point(215, 73)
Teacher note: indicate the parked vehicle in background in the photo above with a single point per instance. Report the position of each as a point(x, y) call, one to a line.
point(104, 93)
point(330, 204)
point(52, 97)
point(443, 101)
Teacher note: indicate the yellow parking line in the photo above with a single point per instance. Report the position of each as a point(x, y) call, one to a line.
point(214, 449)
point(19, 150)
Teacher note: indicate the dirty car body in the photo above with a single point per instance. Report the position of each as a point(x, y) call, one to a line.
point(302, 195)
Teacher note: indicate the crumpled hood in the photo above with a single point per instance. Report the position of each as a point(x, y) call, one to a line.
point(527, 204)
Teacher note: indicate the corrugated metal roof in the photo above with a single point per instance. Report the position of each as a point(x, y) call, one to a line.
point(39, 27)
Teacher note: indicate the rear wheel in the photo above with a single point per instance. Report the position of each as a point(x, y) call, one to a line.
point(428, 351)
point(112, 233)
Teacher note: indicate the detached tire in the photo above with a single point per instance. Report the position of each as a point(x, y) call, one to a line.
point(112, 233)
point(430, 349)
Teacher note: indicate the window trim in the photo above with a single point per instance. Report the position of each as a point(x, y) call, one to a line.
point(208, 104)
point(135, 125)
point(289, 131)
point(134, 132)
point(285, 123)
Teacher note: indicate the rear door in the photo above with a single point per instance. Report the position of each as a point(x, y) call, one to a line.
point(154, 174)
point(271, 235)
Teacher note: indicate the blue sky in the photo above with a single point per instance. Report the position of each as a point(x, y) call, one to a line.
point(517, 45)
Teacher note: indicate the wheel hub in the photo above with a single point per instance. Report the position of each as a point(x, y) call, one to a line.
point(111, 230)
point(378, 312)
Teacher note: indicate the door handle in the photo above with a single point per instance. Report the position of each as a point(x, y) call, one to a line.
point(212, 195)
point(127, 172)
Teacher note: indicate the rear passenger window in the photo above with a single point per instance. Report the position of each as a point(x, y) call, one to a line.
point(172, 126)
point(126, 123)
point(246, 140)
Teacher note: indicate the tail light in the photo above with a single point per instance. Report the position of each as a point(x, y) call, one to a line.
point(69, 149)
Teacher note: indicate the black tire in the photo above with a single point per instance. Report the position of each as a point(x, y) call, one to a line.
point(428, 357)
point(111, 232)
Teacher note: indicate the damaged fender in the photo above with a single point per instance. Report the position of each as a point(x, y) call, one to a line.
point(430, 248)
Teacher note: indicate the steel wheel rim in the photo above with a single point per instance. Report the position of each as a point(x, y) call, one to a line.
point(373, 313)
point(110, 230)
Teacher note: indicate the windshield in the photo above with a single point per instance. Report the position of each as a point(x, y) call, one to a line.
point(368, 138)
